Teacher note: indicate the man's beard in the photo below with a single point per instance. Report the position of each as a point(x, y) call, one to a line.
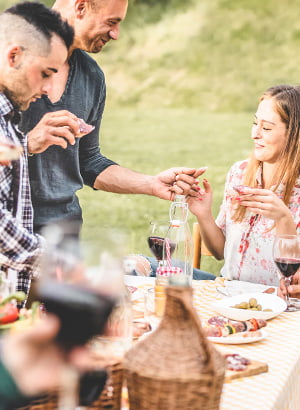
point(14, 99)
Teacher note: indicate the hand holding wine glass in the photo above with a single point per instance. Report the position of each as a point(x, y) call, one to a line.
point(286, 254)
point(76, 295)
point(70, 292)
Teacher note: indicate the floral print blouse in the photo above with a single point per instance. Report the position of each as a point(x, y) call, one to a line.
point(248, 244)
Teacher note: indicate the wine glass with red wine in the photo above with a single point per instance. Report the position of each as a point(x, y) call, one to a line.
point(68, 290)
point(78, 284)
point(286, 254)
point(157, 241)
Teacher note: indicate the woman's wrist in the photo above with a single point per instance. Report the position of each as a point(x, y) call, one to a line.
point(286, 225)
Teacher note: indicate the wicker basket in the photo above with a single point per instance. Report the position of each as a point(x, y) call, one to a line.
point(175, 367)
point(110, 398)
point(45, 402)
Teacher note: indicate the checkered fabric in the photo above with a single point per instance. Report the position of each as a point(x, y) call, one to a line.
point(19, 247)
point(168, 271)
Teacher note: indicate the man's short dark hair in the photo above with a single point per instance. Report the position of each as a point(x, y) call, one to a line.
point(45, 20)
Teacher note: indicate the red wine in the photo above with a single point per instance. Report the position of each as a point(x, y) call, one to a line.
point(287, 266)
point(157, 247)
point(82, 312)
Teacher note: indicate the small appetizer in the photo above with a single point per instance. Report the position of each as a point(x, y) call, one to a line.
point(236, 362)
point(219, 326)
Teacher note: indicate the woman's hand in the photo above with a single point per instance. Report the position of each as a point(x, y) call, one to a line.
point(265, 202)
point(201, 204)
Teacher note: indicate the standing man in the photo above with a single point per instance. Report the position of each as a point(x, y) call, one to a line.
point(61, 164)
point(34, 43)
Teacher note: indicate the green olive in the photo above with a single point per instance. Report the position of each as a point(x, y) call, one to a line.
point(259, 307)
point(267, 310)
point(252, 302)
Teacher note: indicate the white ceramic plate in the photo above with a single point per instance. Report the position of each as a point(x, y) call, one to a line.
point(267, 301)
point(137, 295)
point(236, 287)
point(241, 338)
point(138, 282)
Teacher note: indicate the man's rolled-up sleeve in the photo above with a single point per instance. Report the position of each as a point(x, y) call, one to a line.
point(91, 160)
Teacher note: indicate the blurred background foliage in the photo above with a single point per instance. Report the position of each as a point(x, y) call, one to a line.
point(214, 55)
point(183, 82)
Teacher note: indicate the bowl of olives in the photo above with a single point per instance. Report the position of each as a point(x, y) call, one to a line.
point(250, 305)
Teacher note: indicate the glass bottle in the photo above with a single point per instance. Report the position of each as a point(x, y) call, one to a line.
point(179, 245)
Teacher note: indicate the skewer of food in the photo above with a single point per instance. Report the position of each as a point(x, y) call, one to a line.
point(220, 326)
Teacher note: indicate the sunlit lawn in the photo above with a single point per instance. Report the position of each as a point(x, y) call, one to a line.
point(151, 141)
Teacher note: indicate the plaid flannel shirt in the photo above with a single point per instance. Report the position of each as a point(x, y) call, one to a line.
point(20, 248)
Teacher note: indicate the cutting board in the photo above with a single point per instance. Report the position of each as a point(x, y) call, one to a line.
point(253, 368)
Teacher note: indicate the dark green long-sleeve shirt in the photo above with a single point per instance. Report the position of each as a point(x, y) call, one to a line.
point(10, 396)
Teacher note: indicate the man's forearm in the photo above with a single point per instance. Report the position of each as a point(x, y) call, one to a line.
point(124, 181)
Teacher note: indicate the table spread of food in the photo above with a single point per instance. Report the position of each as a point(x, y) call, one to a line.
point(251, 328)
point(257, 337)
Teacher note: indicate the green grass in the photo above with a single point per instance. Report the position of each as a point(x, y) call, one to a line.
point(151, 141)
point(214, 55)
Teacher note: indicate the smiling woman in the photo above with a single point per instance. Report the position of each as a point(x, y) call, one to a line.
point(269, 134)
point(268, 199)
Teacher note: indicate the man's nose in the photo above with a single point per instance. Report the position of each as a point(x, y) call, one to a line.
point(47, 85)
point(114, 33)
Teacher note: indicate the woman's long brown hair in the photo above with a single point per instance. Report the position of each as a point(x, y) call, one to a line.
point(286, 99)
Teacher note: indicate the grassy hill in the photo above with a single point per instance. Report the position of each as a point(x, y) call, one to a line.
point(215, 55)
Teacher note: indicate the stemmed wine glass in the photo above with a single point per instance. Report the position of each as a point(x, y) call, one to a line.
point(157, 241)
point(286, 254)
point(77, 295)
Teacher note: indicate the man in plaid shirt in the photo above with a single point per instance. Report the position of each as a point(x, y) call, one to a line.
point(34, 43)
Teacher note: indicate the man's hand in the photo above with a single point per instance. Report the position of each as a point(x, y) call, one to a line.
point(293, 289)
point(176, 181)
point(35, 361)
point(55, 128)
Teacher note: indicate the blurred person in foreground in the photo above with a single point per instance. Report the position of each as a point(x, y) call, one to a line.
point(62, 163)
point(268, 202)
point(31, 363)
point(34, 43)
